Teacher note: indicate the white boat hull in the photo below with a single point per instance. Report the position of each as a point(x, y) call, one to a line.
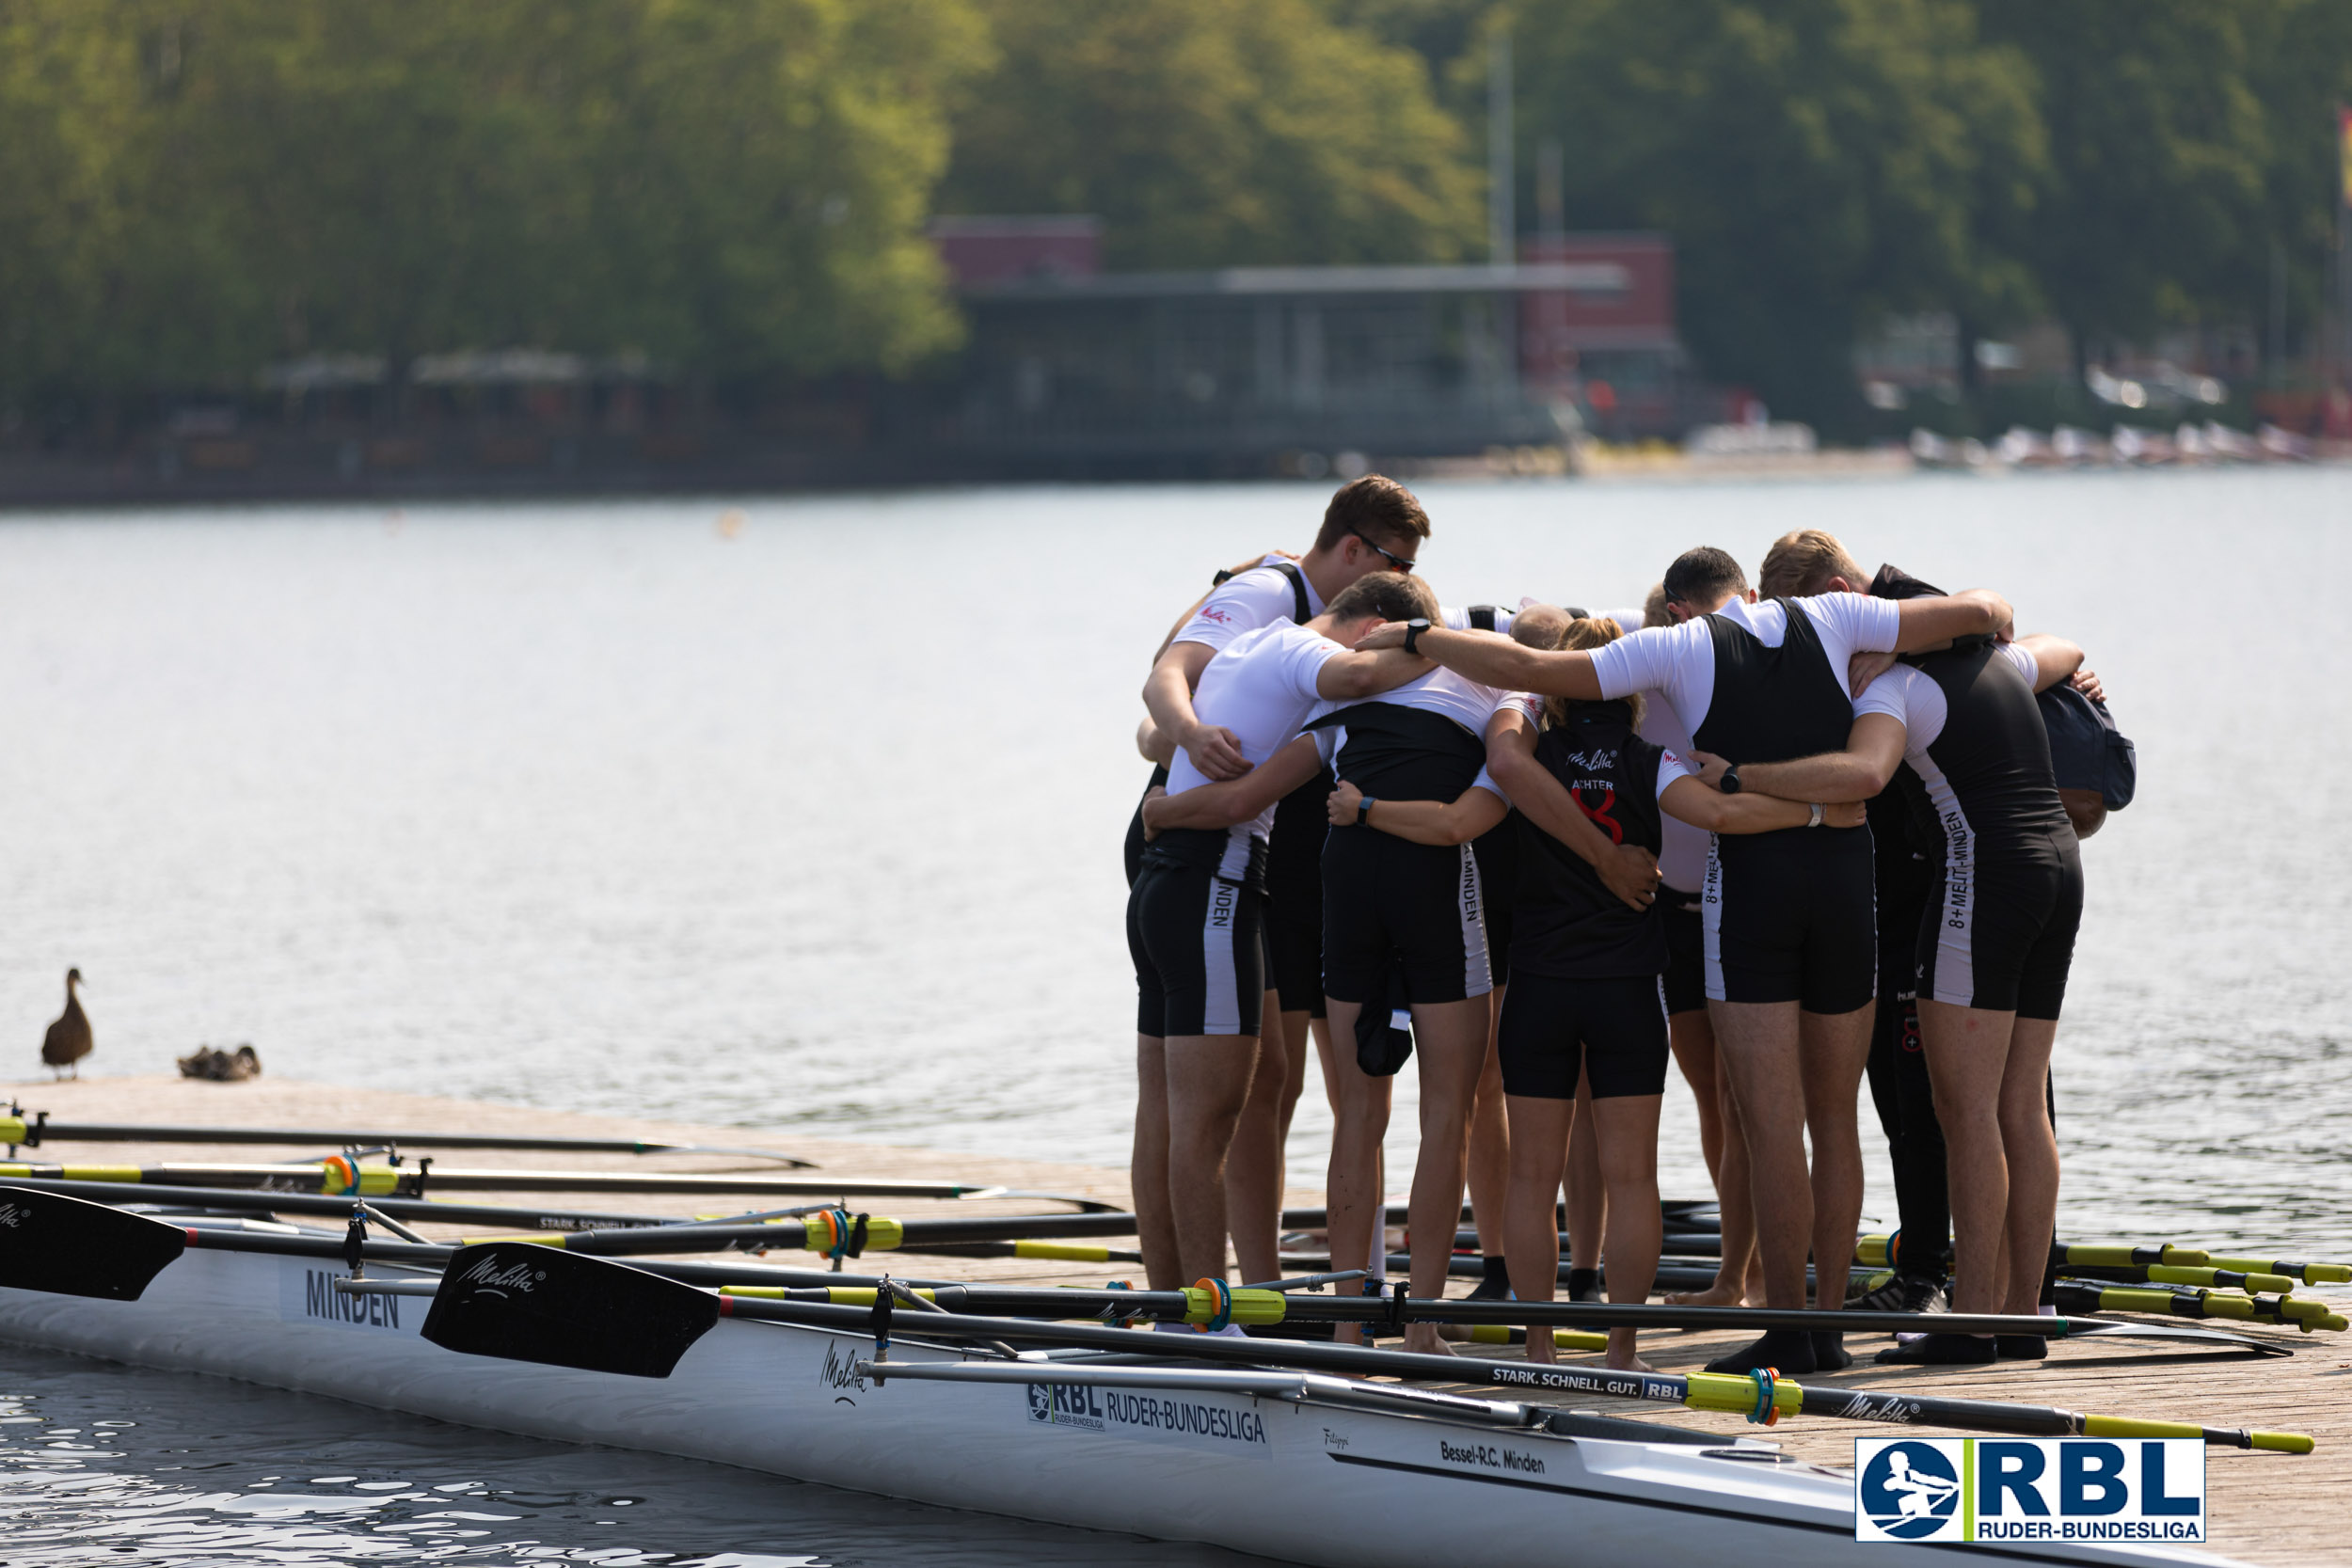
point(1310, 1481)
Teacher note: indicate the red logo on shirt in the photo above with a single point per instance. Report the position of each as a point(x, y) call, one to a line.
point(1211, 613)
point(1601, 814)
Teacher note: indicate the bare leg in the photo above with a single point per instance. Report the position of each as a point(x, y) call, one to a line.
point(1693, 1043)
point(2031, 1149)
point(1692, 1035)
point(1628, 1129)
point(1253, 1168)
point(1489, 1146)
point(1352, 1190)
point(1587, 1197)
point(1969, 1050)
point(1539, 1151)
point(1756, 1045)
point(1147, 1173)
point(1208, 1078)
point(1451, 1046)
point(1833, 1049)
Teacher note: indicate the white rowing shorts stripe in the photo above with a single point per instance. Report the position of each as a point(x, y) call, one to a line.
point(1955, 976)
point(1220, 1010)
point(1478, 978)
point(1712, 920)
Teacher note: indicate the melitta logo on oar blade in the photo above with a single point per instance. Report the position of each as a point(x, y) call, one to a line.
point(521, 1302)
point(70, 1247)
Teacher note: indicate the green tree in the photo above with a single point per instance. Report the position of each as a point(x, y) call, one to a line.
point(734, 187)
point(69, 88)
point(1212, 133)
point(2160, 156)
point(1814, 161)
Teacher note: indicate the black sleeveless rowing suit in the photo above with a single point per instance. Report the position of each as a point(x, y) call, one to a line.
point(1789, 915)
point(1586, 987)
point(1388, 903)
point(1998, 929)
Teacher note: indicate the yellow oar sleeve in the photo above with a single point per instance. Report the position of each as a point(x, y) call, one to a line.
point(77, 1173)
point(825, 1232)
point(1562, 1339)
point(2117, 1426)
point(1737, 1395)
point(1061, 1252)
point(11, 1130)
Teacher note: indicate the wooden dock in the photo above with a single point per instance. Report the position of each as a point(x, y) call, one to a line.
point(2265, 1508)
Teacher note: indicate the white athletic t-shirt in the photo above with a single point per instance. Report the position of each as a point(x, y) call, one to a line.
point(1682, 849)
point(1261, 687)
point(1910, 697)
point(1678, 662)
point(1258, 597)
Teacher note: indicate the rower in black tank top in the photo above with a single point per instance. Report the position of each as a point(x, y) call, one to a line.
point(1586, 991)
point(1788, 914)
point(1998, 929)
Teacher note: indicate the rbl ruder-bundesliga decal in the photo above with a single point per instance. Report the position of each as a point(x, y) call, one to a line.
point(1916, 1489)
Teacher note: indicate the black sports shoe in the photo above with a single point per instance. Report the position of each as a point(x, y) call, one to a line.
point(1829, 1351)
point(1885, 1297)
point(1921, 1294)
point(2021, 1347)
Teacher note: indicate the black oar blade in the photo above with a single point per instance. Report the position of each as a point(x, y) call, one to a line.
point(70, 1247)
point(521, 1302)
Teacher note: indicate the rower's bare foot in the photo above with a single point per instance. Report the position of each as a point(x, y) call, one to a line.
point(1714, 1295)
point(1625, 1363)
point(1422, 1340)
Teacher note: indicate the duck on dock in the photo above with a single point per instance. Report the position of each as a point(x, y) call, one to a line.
point(221, 1066)
point(69, 1038)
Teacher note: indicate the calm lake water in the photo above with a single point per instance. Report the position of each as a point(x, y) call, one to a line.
point(600, 808)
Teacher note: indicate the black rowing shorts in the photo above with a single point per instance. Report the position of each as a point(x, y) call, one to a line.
point(1197, 943)
point(1686, 951)
point(1998, 930)
point(1294, 888)
point(1613, 1030)
point(1790, 916)
point(1422, 905)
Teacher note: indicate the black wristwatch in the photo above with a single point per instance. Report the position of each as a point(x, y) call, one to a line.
point(1731, 780)
point(1364, 810)
point(1413, 628)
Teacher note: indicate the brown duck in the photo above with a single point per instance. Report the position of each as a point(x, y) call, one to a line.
point(69, 1038)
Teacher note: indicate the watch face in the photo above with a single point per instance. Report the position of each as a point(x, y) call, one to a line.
point(1419, 623)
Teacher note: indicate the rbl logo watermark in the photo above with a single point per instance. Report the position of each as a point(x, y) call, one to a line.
point(1916, 1489)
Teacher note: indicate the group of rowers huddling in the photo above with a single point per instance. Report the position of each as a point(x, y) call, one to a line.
point(1559, 842)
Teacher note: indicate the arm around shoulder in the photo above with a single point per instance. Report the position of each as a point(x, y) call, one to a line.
point(1925, 623)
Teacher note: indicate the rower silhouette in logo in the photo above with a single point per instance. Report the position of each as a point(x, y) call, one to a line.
point(1040, 1403)
point(1909, 1490)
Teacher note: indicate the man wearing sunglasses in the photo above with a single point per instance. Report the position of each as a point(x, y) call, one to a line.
point(1372, 524)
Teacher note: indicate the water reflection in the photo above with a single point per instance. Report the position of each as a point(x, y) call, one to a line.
point(106, 1464)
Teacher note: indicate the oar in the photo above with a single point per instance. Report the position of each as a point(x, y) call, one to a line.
point(602, 1316)
point(69, 1246)
point(2081, 1296)
point(15, 1129)
point(1881, 1252)
point(2310, 1274)
point(2165, 1273)
point(336, 1174)
point(1201, 1305)
point(431, 1210)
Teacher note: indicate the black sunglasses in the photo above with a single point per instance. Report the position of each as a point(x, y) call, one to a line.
point(1390, 556)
